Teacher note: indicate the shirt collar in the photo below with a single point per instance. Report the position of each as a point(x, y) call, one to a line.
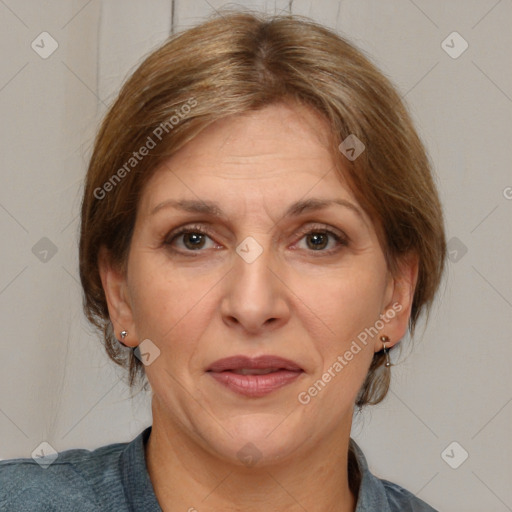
point(137, 485)
point(372, 495)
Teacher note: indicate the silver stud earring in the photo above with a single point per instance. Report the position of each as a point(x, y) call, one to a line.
point(385, 339)
point(123, 336)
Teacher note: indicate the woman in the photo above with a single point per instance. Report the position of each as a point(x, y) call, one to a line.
point(259, 229)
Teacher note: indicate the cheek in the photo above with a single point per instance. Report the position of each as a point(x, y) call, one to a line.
point(347, 302)
point(168, 304)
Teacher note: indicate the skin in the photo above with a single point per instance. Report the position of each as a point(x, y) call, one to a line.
point(295, 301)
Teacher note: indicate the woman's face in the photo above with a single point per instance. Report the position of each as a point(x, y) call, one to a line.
point(257, 273)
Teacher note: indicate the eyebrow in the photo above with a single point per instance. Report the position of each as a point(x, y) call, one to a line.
point(212, 209)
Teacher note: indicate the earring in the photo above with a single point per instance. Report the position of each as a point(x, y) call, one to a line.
point(384, 340)
point(123, 336)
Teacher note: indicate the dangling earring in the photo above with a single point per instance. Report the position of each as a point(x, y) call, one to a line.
point(385, 340)
point(123, 336)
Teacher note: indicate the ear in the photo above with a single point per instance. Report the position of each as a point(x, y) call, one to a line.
point(115, 286)
point(398, 301)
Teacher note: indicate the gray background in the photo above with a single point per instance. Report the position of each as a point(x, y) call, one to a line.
point(56, 384)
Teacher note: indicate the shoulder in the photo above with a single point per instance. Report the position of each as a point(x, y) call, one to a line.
point(75, 480)
point(402, 500)
point(380, 494)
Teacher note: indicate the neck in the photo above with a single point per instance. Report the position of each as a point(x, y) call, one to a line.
point(185, 476)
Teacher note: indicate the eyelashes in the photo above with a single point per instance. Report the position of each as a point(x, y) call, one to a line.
point(196, 236)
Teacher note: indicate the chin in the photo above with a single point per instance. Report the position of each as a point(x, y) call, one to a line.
point(258, 438)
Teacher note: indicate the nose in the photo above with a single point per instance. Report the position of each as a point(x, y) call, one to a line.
point(255, 297)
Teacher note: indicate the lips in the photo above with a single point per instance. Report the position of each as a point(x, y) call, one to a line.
point(238, 364)
point(254, 377)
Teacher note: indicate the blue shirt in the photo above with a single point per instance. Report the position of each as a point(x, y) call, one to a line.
point(114, 478)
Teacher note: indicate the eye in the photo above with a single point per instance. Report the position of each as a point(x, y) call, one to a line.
point(192, 238)
point(317, 240)
point(189, 239)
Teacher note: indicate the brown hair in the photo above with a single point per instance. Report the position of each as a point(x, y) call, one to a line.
point(239, 62)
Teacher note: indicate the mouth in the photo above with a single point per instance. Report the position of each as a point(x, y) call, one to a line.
point(254, 377)
point(262, 363)
point(254, 371)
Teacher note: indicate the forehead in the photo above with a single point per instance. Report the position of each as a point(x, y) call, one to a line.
point(277, 154)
